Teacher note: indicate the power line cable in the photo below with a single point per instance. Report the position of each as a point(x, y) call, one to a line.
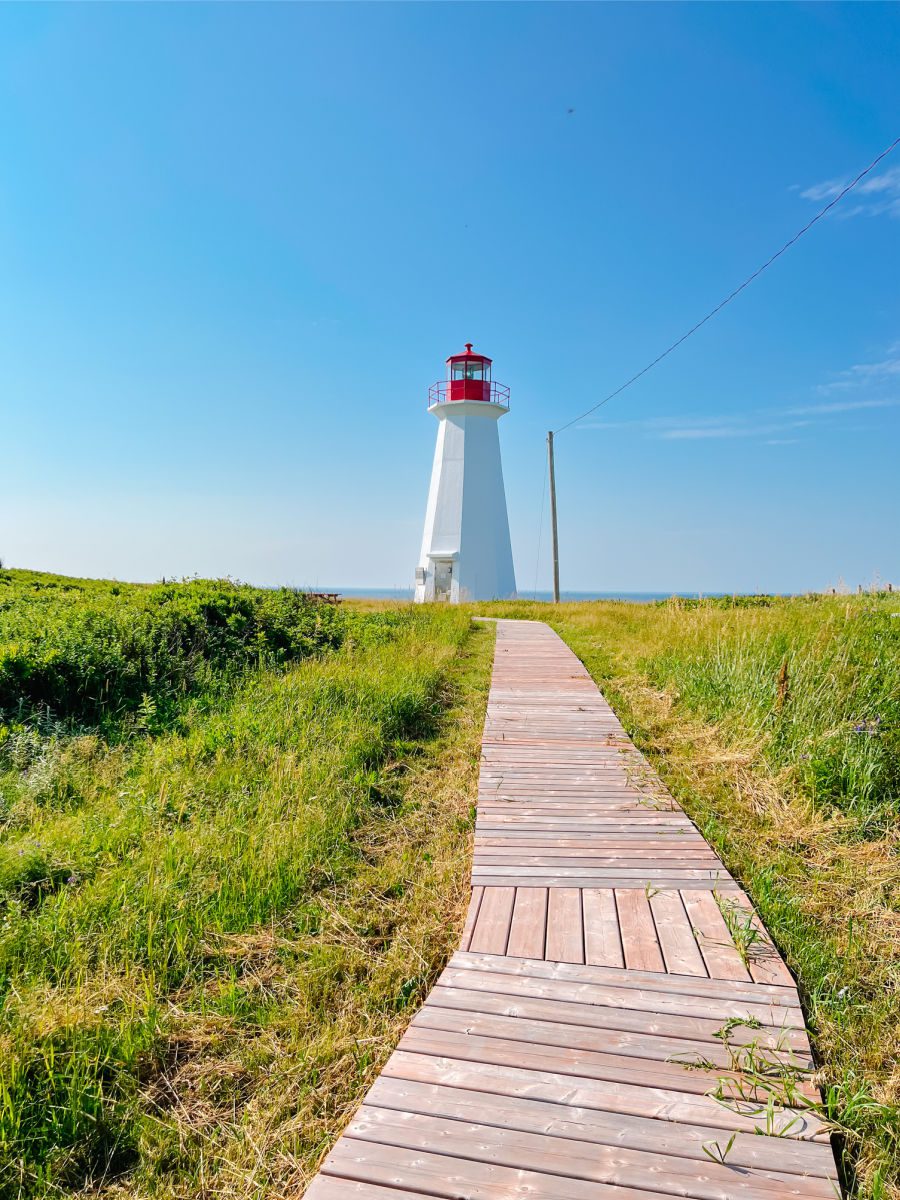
point(737, 291)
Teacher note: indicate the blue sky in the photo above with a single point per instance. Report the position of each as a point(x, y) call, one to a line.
point(237, 242)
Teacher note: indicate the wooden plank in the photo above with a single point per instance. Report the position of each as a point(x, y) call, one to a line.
point(719, 953)
point(633, 1031)
point(332, 1187)
point(765, 964)
point(554, 846)
point(584, 1094)
point(592, 816)
point(529, 924)
point(584, 822)
point(676, 936)
point(487, 877)
point(610, 1095)
point(675, 843)
point(514, 1041)
point(551, 853)
point(593, 859)
point(602, 938)
point(589, 805)
point(639, 942)
point(770, 1156)
point(565, 942)
point(490, 876)
point(455, 1178)
point(471, 918)
point(618, 1046)
point(494, 916)
point(478, 966)
point(548, 864)
point(559, 1156)
point(511, 1041)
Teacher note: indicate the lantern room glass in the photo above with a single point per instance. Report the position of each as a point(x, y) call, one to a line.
point(471, 369)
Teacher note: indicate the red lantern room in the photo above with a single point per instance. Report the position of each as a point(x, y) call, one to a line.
point(468, 378)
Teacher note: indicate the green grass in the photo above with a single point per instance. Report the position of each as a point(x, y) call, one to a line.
point(204, 920)
point(235, 836)
point(776, 723)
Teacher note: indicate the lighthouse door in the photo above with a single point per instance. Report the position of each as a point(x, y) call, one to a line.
point(443, 576)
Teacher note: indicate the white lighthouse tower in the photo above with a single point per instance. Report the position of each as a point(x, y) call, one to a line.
point(466, 552)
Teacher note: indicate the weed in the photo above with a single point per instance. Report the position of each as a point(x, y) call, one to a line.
point(741, 927)
point(736, 1023)
point(716, 1152)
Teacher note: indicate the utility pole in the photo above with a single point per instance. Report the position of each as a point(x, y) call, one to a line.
point(552, 475)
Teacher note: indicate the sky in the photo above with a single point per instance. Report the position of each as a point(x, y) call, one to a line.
point(237, 243)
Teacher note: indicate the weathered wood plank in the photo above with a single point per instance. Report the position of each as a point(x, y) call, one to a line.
point(593, 1126)
point(722, 959)
point(632, 1031)
point(602, 936)
point(565, 941)
point(564, 1157)
point(471, 917)
point(635, 1099)
point(676, 937)
point(738, 991)
point(529, 924)
point(491, 930)
point(458, 1178)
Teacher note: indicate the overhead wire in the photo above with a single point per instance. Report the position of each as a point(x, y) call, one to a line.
point(737, 291)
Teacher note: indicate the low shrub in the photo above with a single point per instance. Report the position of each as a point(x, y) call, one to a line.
point(89, 653)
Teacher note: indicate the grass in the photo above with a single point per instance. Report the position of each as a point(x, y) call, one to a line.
point(776, 724)
point(214, 927)
point(229, 874)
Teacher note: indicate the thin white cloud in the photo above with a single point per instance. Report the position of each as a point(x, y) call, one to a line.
point(840, 406)
point(881, 192)
point(691, 432)
point(749, 426)
point(863, 374)
point(775, 426)
point(755, 424)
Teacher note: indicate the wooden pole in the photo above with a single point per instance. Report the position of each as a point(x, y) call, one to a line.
point(552, 475)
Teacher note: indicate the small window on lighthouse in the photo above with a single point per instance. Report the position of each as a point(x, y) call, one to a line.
point(458, 370)
point(474, 370)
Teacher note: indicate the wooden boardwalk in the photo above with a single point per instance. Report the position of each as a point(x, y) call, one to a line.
point(608, 1027)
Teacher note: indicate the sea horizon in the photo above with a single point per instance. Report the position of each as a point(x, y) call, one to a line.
point(375, 593)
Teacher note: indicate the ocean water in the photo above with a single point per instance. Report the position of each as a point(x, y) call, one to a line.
point(407, 594)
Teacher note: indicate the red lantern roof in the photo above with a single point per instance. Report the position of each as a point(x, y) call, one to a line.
point(468, 356)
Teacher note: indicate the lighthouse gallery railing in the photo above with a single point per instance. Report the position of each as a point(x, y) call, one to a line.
point(493, 393)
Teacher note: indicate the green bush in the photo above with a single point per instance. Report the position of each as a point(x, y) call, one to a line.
point(89, 652)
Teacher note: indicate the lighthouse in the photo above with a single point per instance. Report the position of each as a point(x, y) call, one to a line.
point(466, 552)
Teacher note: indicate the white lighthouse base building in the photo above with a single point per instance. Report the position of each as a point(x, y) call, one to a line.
point(466, 552)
